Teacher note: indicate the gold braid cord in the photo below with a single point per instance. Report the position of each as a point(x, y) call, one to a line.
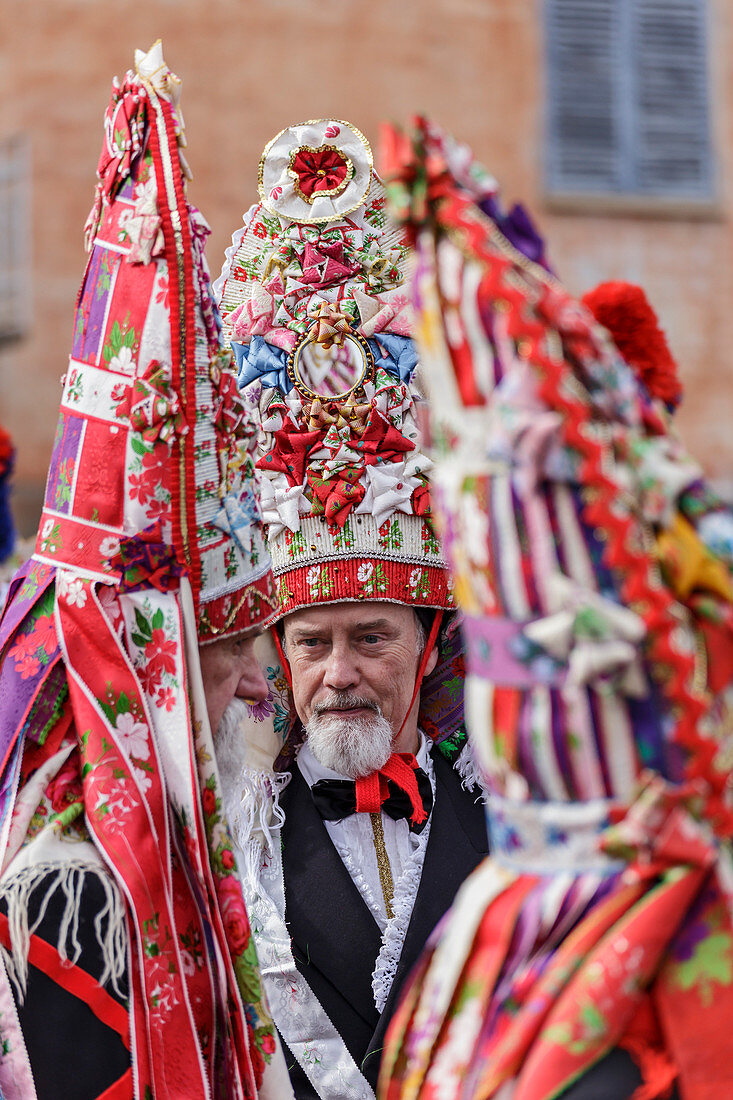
point(385, 871)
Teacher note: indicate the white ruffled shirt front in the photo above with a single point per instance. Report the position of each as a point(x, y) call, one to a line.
point(353, 839)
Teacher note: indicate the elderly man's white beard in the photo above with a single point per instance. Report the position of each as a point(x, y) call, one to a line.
point(353, 746)
point(229, 741)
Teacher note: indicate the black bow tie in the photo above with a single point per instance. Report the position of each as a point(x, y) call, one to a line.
point(335, 799)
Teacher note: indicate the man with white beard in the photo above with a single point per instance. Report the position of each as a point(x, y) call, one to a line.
point(128, 967)
point(377, 833)
point(351, 670)
point(349, 789)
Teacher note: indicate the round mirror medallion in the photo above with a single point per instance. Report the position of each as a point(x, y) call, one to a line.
point(332, 371)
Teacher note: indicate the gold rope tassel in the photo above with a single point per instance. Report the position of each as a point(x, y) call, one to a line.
point(385, 871)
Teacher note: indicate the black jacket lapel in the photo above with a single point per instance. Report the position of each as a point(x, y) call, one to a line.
point(457, 844)
point(328, 919)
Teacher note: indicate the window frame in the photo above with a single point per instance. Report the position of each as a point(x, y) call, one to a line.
point(631, 198)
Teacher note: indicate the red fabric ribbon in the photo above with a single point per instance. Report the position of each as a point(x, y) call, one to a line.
point(421, 500)
point(381, 441)
point(6, 452)
point(319, 170)
point(123, 128)
point(152, 404)
point(337, 495)
point(372, 790)
point(658, 830)
point(147, 560)
point(325, 263)
point(289, 453)
point(229, 412)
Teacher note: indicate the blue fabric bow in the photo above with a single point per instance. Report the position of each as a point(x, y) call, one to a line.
point(402, 357)
point(263, 361)
point(237, 517)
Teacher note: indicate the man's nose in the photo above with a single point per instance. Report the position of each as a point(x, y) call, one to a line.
point(252, 683)
point(341, 671)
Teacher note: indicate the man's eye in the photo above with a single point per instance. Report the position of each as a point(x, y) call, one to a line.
point(371, 639)
point(310, 643)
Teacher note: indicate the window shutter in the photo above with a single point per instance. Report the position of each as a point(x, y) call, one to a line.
point(584, 132)
point(15, 237)
point(670, 45)
point(627, 98)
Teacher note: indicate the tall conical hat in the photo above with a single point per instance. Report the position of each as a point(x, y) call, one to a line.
point(150, 543)
point(153, 444)
point(312, 296)
point(593, 565)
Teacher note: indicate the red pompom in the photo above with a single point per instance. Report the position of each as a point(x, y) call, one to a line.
point(624, 310)
point(6, 452)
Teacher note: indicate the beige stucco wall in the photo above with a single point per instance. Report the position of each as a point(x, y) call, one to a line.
point(252, 66)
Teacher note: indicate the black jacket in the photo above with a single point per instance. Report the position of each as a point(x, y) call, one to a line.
point(335, 937)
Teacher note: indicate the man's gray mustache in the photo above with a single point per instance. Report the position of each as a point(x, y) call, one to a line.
point(345, 702)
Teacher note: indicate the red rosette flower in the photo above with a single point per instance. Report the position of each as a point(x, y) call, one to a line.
point(337, 494)
point(65, 788)
point(233, 914)
point(380, 441)
point(319, 170)
point(289, 453)
point(208, 799)
point(626, 312)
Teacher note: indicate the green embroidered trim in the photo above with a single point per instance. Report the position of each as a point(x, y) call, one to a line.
point(451, 747)
point(44, 710)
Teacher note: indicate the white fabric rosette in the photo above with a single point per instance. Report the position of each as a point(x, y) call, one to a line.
point(285, 181)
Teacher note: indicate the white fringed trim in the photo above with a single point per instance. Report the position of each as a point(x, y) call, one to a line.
point(467, 768)
point(393, 937)
point(109, 924)
point(252, 807)
point(250, 795)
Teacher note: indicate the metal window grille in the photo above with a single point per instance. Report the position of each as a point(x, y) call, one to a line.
point(628, 104)
point(15, 237)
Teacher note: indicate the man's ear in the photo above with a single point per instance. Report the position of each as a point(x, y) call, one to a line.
point(432, 660)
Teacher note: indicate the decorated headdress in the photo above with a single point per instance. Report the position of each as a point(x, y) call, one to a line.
point(150, 542)
point(151, 470)
point(313, 300)
point(593, 566)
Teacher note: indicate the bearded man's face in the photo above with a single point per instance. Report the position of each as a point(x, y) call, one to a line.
point(353, 669)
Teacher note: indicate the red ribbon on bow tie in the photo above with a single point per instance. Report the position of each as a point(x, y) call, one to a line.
point(372, 790)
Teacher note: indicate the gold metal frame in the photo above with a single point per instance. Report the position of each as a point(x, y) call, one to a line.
point(301, 387)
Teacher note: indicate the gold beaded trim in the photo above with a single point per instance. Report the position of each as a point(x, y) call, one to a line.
point(385, 871)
